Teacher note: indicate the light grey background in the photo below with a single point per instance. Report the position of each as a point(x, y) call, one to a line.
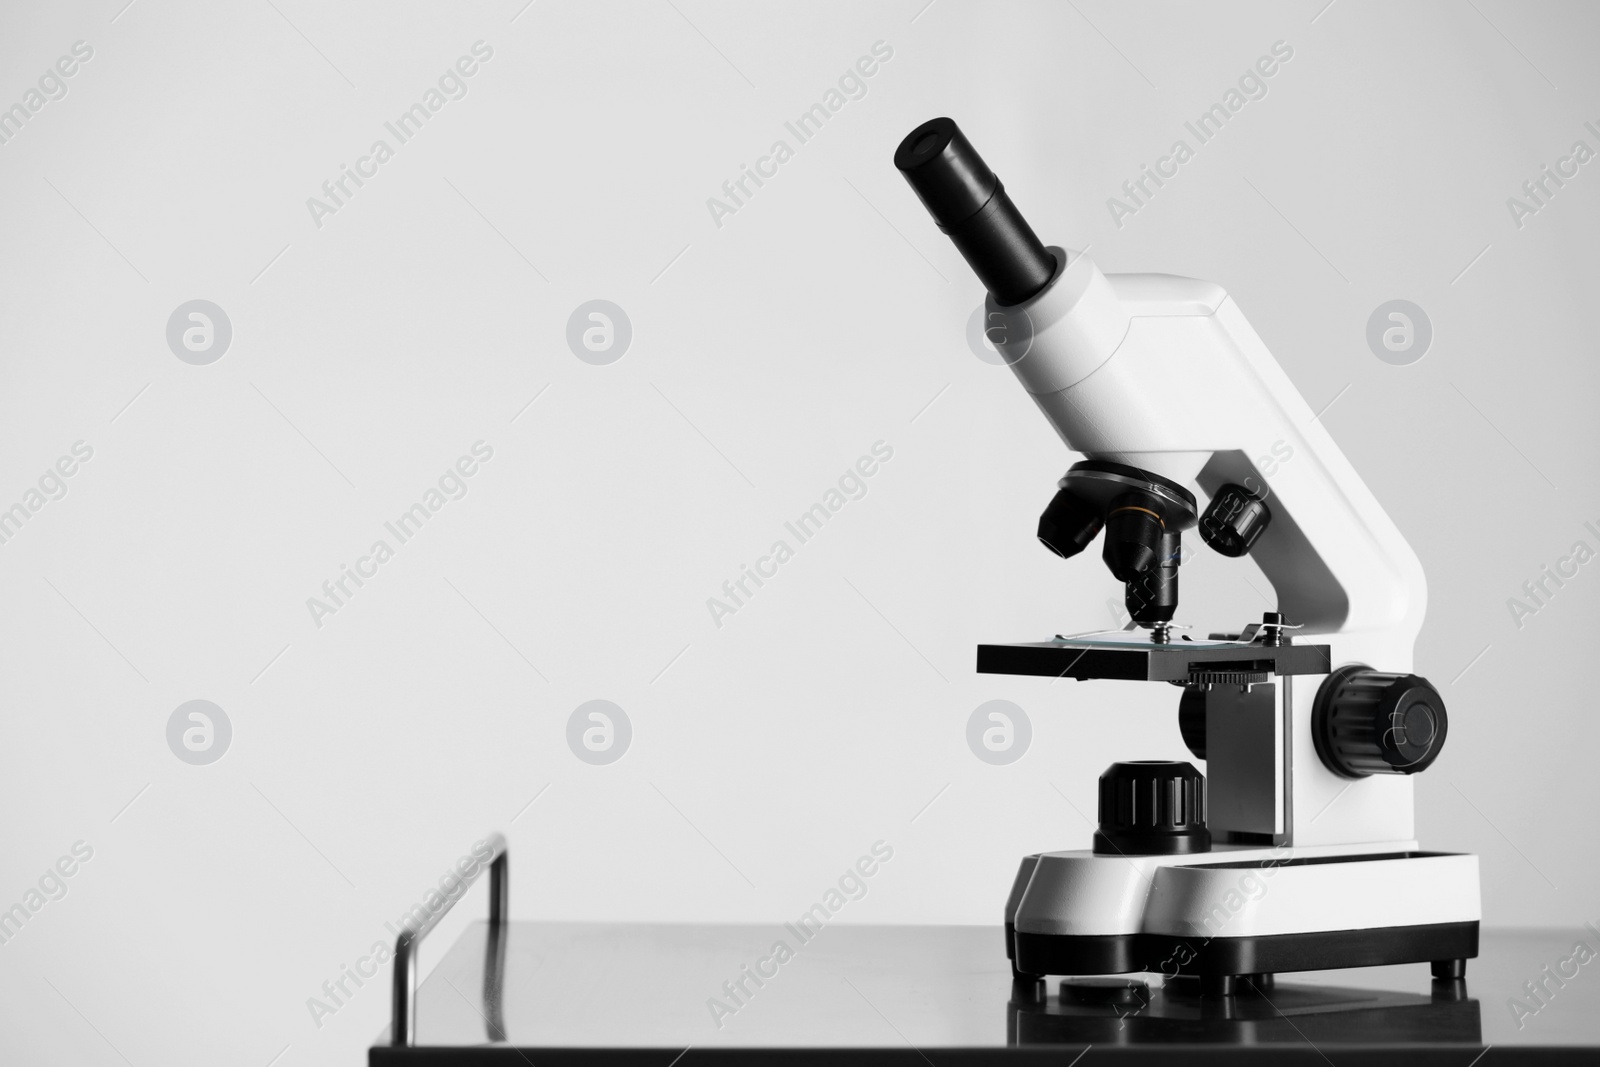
point(767, 355)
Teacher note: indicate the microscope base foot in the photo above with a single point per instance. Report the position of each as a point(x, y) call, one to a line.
point(1450, 969)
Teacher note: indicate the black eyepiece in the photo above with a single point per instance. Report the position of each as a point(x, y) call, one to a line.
point(969, 203)
point(946, 172)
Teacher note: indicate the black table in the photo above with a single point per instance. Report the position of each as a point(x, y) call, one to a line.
point(554, 993)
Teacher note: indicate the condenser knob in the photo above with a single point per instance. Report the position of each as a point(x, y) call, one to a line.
point(1152, 808)
point(1369, 722)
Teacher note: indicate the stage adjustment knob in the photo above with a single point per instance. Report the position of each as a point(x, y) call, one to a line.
point(1152, 808)
point(1368, 722)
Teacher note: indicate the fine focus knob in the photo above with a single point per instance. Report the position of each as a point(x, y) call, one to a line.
point(1152, 808)
point(1368, 722)
point(1235, 520)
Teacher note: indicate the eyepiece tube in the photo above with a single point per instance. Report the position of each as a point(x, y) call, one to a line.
point(971, 206)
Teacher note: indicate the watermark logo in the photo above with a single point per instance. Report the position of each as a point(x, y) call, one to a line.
point(598, 732)
point(1246, 891)
point(337, 192)
point(1548, 983)
point(452, 485)
point(199, 332)
point(1542, 187)
point(852, 485)
point(599, 332)
point(737, 192)
point(1252, 85)
point(52, 86)
point(52, 485)
point(339, 990)
point(999, 732)
point(198, 732)
point(1551, 579)
point(999, 338)
point(52, 886)
point(738, 991)
point(1399, 332)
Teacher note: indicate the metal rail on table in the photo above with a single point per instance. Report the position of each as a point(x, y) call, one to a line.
point(403, 1030)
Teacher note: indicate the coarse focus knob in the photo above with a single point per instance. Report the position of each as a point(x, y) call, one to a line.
point(1369, 722)
point(1234, 521)
point(1152, 808)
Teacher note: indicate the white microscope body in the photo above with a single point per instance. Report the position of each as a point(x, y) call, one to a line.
point(1310, 723)
point(1165, 374)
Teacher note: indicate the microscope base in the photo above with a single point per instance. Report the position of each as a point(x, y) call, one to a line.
point(1243, 911)
point(1446, 945)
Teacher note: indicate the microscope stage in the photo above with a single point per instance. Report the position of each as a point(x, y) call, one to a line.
point(1132, 656)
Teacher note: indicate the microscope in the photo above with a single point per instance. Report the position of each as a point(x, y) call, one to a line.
point(1296, 850)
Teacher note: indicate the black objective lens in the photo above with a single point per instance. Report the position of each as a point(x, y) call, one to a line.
point(1152, 596)
point(971, 206)
point(1143, 554)
point(1133, 539)
point(1069, 524)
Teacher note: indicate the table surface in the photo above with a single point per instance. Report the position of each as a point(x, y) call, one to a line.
point(943, 994)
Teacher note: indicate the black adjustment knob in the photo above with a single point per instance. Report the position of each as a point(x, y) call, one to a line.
point(1152, 808)
point(1369, 722)
point(1235, 520)
point(1192, 719)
